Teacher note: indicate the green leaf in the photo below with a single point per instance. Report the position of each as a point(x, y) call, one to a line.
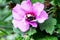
point(57, 2)
point(31, 31)
point(3, 32)
point(58, 25)
point(2, 2)
point(5, 25)
point(16, 1)
point(26, 37)
point(50, 29)
point(17, 31)
point(8, 18)
point(48, 38)
point(52, 2)
point(5, 13)
point(58, 31)
point(34, 1)
point(48, 25)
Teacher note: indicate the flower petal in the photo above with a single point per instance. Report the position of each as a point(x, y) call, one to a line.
point(22, 25)
point(15, 24)
point(27, 6)
point(38, 7)
point(42, 17)
point(18, 13)
point(34, 24)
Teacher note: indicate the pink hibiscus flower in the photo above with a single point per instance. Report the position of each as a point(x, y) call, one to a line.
point(26, 14)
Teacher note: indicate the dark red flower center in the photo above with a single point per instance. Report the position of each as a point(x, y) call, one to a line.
point(30, 16)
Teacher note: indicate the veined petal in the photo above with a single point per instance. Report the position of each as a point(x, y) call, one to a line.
point(42, 17)
point(15, 24)
point(22, 25)
point(18, 13)
point(38, 7)
point(34, 24)
point(26, 5)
